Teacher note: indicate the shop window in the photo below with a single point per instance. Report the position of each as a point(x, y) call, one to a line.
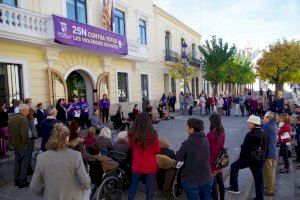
point(144, 87)
point(119, 22)
point(123, 94)
point(9, 2)
point(11, 83)
point(173, 85)
point(76, 10)
point(143, 32)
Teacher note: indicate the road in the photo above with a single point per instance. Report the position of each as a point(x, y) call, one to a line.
point(174, 130)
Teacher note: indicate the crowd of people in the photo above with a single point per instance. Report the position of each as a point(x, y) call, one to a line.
point(64, 147)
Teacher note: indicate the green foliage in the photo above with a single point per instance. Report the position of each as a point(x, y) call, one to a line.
point(280, 63)
point(215, 54)
point(177, 71)
point(238, 69)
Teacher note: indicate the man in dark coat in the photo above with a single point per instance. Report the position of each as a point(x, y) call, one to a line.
point(47, 126)
point(253, 153)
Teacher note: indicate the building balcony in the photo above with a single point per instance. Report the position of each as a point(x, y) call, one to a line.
point(137, 51)
point(171, 56)
point(25, 25)
point(195, 62)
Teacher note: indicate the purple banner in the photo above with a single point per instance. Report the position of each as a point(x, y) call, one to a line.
point(77, 34)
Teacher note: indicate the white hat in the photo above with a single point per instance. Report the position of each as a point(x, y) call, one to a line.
point(122, 135)
point(254, 120)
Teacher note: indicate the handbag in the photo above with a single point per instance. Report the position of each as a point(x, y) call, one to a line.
point(257, 152)
point(222, 159)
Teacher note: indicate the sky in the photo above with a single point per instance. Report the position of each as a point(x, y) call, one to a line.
point(254, 23)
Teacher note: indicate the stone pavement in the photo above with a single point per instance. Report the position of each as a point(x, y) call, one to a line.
point(174, 130)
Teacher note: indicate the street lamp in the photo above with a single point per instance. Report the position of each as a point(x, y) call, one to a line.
point(184, 60)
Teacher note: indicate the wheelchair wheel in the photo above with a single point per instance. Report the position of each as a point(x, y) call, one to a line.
point(177, 189)
point(109, 190)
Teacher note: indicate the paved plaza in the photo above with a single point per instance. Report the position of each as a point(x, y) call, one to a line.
point(174, 130)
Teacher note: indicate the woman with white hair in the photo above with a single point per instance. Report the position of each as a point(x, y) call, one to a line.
point(105, 139)
point(122, 142)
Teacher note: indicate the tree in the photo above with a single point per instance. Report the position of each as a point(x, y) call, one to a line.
point(177, 72)
point(238, 69)
point(280, 64)
point(215, 54)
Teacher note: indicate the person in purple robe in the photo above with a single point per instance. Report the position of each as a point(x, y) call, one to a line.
point(104, 105)
point(74, 110)
point(84, 116)
point(163, 100)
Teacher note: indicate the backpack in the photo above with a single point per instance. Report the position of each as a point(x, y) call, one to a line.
point(257, 153)
point(222, 159)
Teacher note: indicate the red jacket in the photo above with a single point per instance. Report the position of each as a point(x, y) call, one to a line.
point(144, 161)
point(285, 128)
point(213, 101)
point(216, 144)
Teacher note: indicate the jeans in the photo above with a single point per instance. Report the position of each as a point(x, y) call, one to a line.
point(181, 106)
point(218, 183)
point(285, 155)
point(197, 192)
point(135, 183)
point(21, 164)
point(105, 114)
point(242, 106)
point(256, 168)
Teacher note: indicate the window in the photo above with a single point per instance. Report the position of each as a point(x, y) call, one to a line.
point(9, 2)
point(11, 83)
point(193, 51)
point(197, 86)
point(173, 85)
point(193, 88)
point(144, 87)
point(142, 29)
point(123, 95)
point(182, 41)
point(76, 10)
point(119, 23)
point(167, 40)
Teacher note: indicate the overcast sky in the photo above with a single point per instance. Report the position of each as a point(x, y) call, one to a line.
point(254, 22)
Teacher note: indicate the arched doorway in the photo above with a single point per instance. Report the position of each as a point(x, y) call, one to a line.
point(80, 84)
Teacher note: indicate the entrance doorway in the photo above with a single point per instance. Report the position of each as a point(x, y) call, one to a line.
point(80, 84)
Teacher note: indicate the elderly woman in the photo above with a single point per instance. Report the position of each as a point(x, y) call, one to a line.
point(105, 140)
point(59, 172)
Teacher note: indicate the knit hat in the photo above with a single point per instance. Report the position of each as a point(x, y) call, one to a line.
point(254, 120)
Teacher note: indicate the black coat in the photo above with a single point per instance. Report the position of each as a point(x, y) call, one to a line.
point(196, 165)
point(40, 115)
point(61, 114)
point(252, 141)
point(167, 152)
point(3, 119)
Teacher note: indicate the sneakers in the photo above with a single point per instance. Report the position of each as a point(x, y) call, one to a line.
point(231, 190)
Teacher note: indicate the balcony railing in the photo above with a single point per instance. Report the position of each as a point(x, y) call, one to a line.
point(171, 56)
point(137, 50)
point(195, 62)
point(23, 23)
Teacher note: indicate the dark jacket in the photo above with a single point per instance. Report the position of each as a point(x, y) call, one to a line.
point(271, 130)
point(3, 119)
point(167, 152)
point(195, 153)
point(40, 116)
point(297, 136)
point(172, 99)
point(46, 129)
point(18, 132)
point(61, 114)
point(251, 142)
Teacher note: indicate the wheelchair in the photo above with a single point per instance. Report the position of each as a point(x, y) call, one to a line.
point(109, 185)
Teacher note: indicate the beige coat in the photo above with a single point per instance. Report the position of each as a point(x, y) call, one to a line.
point(60, 175)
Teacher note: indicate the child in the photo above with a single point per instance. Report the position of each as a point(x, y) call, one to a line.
point(90, 139)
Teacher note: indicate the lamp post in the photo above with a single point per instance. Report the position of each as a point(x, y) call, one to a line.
point(184, 60)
